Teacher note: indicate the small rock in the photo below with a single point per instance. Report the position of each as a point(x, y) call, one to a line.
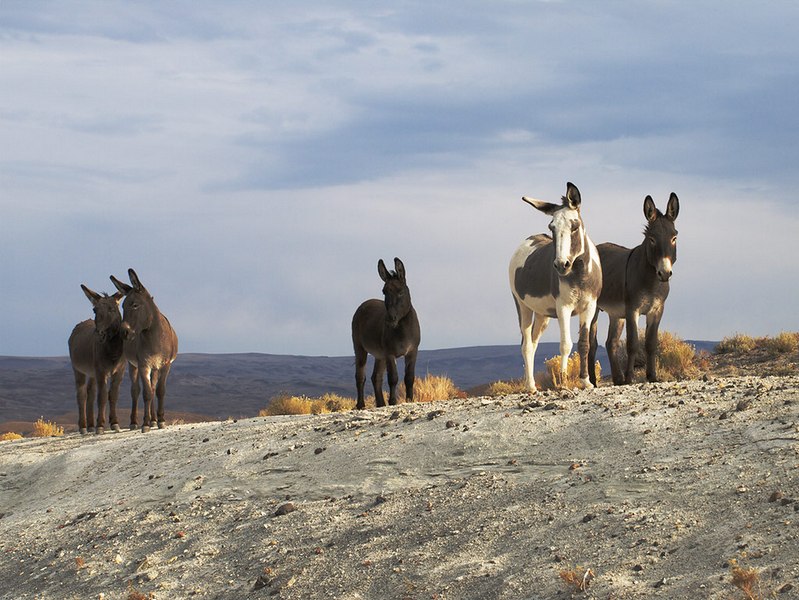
point(551, 406)
point(589, 517)
point(319, 450)
point(777, 495)
point(785, 589)
point(395, 415)
point(659, 583)
point(206, 440)
point(743, 404)
point(433, 414)
point(285, 509)
point(450, 424)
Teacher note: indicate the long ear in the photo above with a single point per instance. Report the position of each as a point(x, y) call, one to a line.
point(123, 288)
point(573, 199)
point(673, 207)
point(118, 296)
point(93, 296)
point(383, 272)
point(400, 268)
point(134, 280)
point(544, 207)
point(650, 211)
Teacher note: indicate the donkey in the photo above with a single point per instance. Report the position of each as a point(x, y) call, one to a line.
point(637, 283)
point(151, 346)
point(95, 350)
point(386, 329)
point(558, 276)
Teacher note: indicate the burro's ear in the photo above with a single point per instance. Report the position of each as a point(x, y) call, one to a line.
point(118, 296)
point(543, 206)
point(123, 288)
point(650, 211)
point(573, 199)
point(134, 280)
point(93, 296)
point(673, 207)
point(382, 271)
point(400, 268)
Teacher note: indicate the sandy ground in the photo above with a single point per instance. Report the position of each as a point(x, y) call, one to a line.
point(654, 488)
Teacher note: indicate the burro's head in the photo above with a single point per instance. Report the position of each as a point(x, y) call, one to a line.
point(396, 295)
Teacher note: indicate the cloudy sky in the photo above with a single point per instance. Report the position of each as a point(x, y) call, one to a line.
point(253, 160)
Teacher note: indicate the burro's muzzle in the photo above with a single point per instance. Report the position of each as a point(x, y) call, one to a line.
point(664, 269)
point(128, 333)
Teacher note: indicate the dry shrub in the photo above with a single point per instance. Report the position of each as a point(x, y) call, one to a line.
point(505, 388)
point(736, 344)
point(577, 578)
point(42, 428)
point(676, 358)
point(784, 343)
point(431, 388)
point(9, 435)
point(134, 594)
point(552, 379)
point(748, 581)
point(302, 405)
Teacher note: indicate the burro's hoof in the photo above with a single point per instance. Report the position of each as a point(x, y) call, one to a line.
point(133, 427)
point(83, 431)
point(145, 428)
point(161, 424)
point(115, 426)
point(99, 431)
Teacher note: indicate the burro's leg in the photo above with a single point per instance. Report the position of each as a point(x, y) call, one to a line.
point(160, 394)
point(377, 381)
point(145, 374)
point(393, 379)
point(584, 344)
point(632, 344)
point(135, 388)
point(564, 321)
point(410, 374)
point(612, 347)
point(80, 396)
point(651, 344)
point(360, 376)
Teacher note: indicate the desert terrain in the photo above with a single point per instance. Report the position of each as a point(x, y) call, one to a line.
point(645, 491)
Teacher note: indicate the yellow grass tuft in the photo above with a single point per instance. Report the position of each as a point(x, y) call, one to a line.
point(287, 404)
point(42, 428)
point(552, 379)
point(505, 388)
point(747, 580)
point(577, 578)
point(736, 344)
point(9, 435)
point(784, 343)
point(431, 388)
point(676, 358)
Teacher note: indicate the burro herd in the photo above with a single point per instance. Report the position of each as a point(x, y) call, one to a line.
point(556, 275)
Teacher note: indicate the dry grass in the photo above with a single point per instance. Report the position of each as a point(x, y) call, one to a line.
point(748, 581)
point(504, 388)
point(432, 388)
point(784, 343)
point(9, 435)
point(736, 344)
point(676, 358)
point(302, 405)
point(551, 377)
point(577, 579)
point(429, 388)
point(42, 428)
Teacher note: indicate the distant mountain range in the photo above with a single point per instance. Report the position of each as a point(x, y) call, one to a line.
point(239, 385)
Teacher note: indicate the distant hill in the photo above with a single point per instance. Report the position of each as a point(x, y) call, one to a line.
point(239, 385)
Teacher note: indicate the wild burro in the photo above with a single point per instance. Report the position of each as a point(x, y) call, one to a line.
point(636, 282)
point(96, 353)
point(556, 276)
point(386, 329)
point(151, 346)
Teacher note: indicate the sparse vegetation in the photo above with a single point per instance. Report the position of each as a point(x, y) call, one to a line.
point(431, 388)
point(42, 428)
point(552, 379)
point(503, 388)
point(784, 343)
point(736, 344)
point(676, 358)
point(302, 405)
point(747, 580)
point(9, 435)
point(578, 578)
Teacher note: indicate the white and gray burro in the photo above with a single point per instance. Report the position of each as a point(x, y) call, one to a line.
point(557, 275)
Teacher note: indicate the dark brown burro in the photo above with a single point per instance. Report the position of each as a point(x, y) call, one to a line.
point(96, 352)
point(151, 346)
point(635, 283)
point(386, 329)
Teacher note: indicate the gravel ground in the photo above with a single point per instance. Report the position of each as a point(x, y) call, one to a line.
point(659, 491)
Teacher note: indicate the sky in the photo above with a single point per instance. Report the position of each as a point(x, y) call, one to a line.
point(253, 160)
